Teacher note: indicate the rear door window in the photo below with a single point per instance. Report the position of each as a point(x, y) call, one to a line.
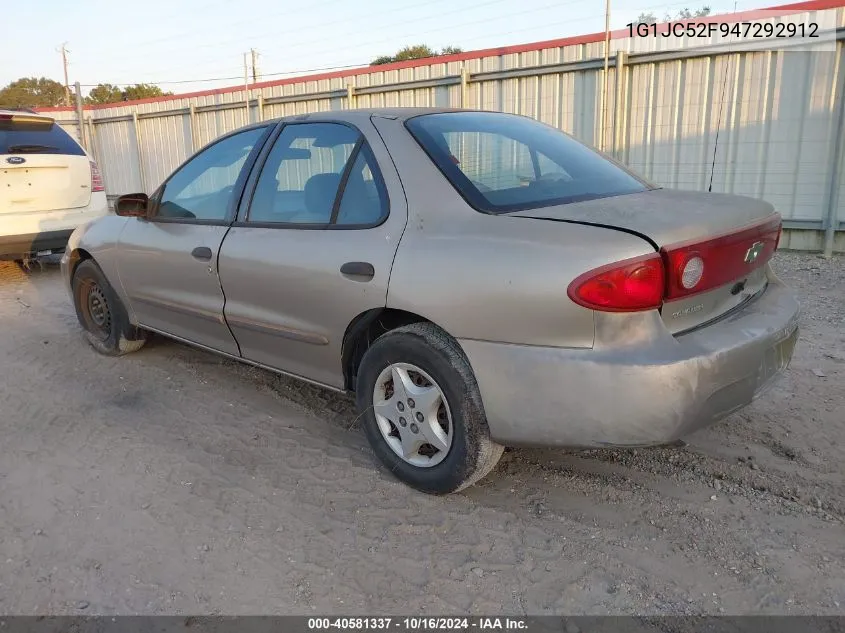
point(319, 175)
point(36, 138)
point(301, 177)
point(364, 199)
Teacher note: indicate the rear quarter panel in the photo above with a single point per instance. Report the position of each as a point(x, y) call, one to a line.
point(491, 277)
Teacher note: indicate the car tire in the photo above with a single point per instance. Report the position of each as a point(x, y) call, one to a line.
point(434, 359)
point(102, 314)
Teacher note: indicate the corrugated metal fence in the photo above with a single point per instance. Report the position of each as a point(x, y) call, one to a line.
point(685, 112)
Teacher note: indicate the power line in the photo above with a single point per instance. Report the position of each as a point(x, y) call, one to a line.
point(232, 78)
point(424, 34)
point(408, 35)
point(365, 64)
point(475, 22)
point(266, 34)
point(216, 42)
point(276, 33)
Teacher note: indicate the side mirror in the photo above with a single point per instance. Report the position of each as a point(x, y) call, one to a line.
point(132, 205)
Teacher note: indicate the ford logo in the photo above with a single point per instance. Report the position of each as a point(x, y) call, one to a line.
point(16, 160)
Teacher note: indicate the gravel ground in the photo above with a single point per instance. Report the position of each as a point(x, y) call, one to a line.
point(171, 481)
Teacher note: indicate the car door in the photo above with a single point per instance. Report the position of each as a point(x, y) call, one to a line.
point(168, 262)
point(313, 246)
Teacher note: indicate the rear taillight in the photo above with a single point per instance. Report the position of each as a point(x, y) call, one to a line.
point(679, 270)
point(96, 178)
point(698, 266)
point(627, 286)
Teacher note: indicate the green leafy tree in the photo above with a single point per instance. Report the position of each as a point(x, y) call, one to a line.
point(32, 92)
point(451, 50)
point(683, 14)
point(686, 14)
point(382, 59)
point(143, 91)
point(109, 93)
point(104, 93)
point(418, 51)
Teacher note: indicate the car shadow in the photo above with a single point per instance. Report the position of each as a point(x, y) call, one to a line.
point(14, 273)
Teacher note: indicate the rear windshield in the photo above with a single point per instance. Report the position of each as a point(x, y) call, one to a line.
point(501, 162)
point(36, 138)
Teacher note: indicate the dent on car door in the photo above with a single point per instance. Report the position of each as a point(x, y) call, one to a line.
point(168, 263)
point(313, 249)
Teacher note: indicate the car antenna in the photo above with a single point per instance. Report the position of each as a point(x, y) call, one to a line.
point(719, 118)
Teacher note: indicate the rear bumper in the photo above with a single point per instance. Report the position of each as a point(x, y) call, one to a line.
point(15, 246)
point(28, 232)
point(645, 387)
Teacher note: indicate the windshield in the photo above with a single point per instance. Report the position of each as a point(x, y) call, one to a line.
point(501, 162)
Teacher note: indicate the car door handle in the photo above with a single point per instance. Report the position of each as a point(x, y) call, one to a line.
point(202, 253)
point(359, 271)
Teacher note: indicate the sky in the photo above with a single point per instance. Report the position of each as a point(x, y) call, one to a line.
point(187, 45)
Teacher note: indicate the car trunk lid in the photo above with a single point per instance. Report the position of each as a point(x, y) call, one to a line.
point(733, 236)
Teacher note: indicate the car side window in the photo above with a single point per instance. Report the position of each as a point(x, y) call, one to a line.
point(202, 188)
point(364, 199)
point(302, 174)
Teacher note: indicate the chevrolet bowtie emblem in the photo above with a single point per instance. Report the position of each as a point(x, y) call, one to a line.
point(754, 252)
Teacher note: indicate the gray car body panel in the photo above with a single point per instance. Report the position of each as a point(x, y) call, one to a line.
point(491, 277)
point(639, 385)
point(550, 372)
point(287, 303)
point(188, 304)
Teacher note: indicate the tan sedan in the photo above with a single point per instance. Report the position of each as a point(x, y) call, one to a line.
point(477, 279)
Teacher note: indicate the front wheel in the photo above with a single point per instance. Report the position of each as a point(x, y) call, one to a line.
point(101, 313)
point(422, 411)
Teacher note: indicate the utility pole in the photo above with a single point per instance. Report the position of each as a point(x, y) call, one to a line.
point(246, 87)
point(255, 74)
point(79, 115)
point(64, 51)
point(604, 99)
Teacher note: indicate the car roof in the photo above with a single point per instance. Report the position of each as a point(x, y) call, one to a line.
point(365, 113)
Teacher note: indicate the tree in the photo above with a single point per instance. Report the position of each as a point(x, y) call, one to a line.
point(646, 18)
point(109, 93)
point(382, 59)
point(104, 93)
point(451, 50)
point(143, 91)
point(686, 14)
point(419, 51)
point(32, 92)
point(683, 14)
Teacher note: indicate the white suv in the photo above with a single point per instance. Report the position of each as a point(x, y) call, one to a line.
point(48, 186)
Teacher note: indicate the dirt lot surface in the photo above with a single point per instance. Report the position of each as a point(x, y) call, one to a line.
point(171, 481)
